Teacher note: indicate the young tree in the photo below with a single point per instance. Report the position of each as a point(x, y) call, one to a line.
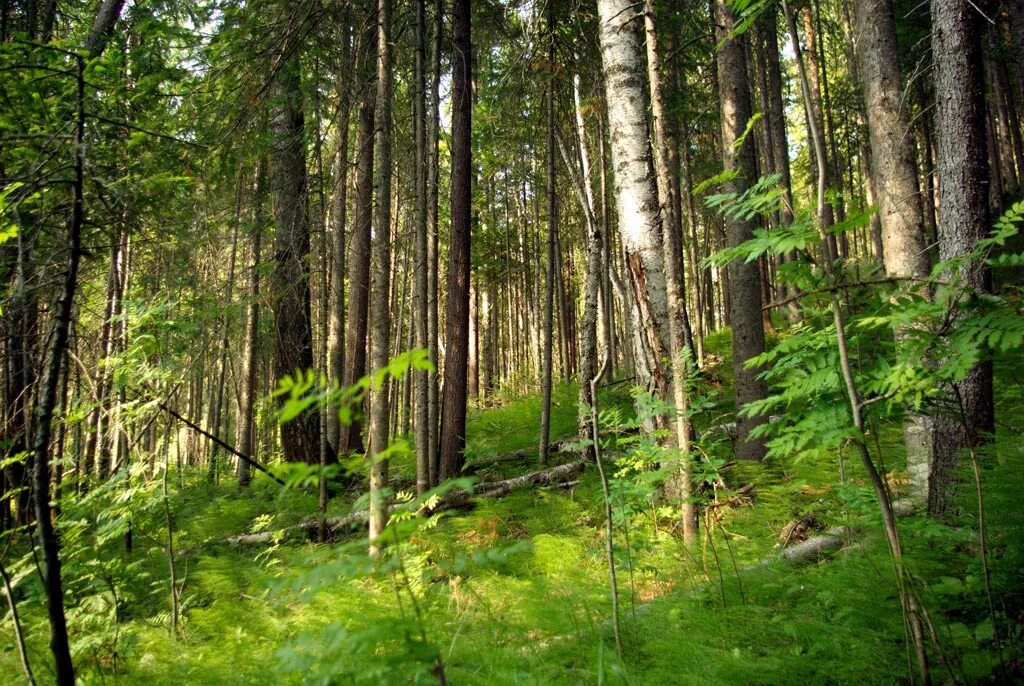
point(380, 303)
point(452, 438)
point(680, 337)
point(350, 436)
point(245, 435)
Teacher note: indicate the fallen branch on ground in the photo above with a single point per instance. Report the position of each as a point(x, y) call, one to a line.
point(516, 456)
point(455, 499)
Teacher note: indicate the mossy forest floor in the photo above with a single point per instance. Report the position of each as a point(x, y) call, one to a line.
point(515, 591)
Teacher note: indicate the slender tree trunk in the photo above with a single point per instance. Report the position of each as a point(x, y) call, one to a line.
point(681, 349)
point(380, 312)
point(433, 117)
point(47, 400)
point(547, 346)
point(963, 219)
point(421, 378)
point(452, 438)
point(245, 434)
point(338, 225)
point(350, 437)
point(744, 278)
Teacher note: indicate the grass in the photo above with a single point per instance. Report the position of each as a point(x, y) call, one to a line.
point(515, 591)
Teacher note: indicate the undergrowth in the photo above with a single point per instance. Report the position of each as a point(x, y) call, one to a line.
point(514, 591)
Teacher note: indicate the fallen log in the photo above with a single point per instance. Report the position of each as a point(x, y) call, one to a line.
point(452, 500)
point(516, 456)
point(816, 546)
point(541, 478)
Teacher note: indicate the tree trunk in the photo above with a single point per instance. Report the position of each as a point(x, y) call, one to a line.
point(452, 438)
point(963, 219)
point(421, 378)
point(103, 25)
point(681, 345)
point(433, 119)
point(894, 170)
point(744, 277)
point(380, 312)
point(47, 400)
point(547, 352)
point(635, 191)
point(293, 351)
point(350, 438)
point(244, 436)
point(338, 225)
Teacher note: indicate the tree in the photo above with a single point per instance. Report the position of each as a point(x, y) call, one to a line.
point(293, 350)
point(551, 194)
point(452, 437)
point(963, 172)
point(636, 195)
point(680, 337)
point(894, 170)
point(421, 294)
point(744, 278)
point(245, 435)
point(380, 302)
point(350, 436)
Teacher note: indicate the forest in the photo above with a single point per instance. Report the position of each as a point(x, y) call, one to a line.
point(511, 342)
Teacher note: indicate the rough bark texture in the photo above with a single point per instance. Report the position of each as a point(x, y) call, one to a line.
point(433, 120)
point(107, 14)
point(380, 305)
point(350, 437)
point(894, 170)
point(452, 438)
point(744, 277)
point(635, 192)
point(421, 296)
point(963, 172)
point(293, 350)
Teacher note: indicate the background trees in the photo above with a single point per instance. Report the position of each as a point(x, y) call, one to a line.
point(523, 190)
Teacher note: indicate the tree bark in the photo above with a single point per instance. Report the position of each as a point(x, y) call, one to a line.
point(744, 278)
point(338, 226)
point(635, 191)
point(894, 170)
point(107, 14)
point(380, 306)
point(681, 344)
point(244, 435)
point(293, 351)
point(433, 119)
point(452, 437)
point(963, 173)
point(47, 400)
point(421, 378)
point(350, 438)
